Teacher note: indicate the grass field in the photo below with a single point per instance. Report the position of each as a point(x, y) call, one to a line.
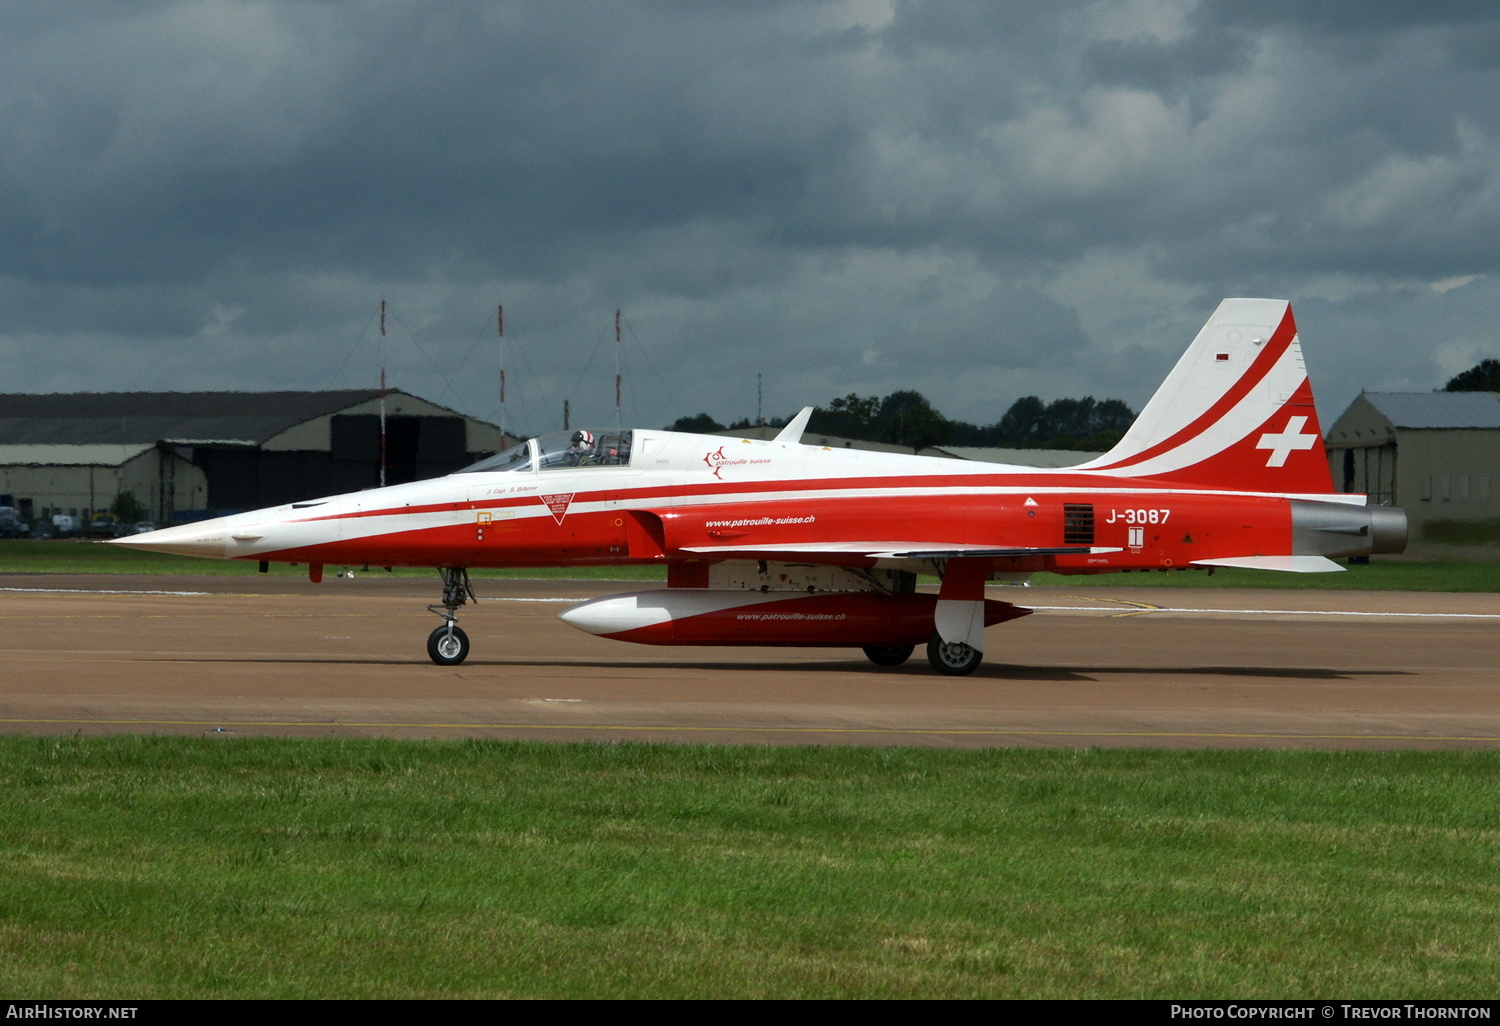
point(139, 867)
point(1378, 575)
point(84, 557)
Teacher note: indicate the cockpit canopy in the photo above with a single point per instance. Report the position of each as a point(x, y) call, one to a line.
point(560, 450)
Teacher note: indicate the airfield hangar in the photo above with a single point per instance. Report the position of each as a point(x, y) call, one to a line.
point(1434, 454)
point(190, 455)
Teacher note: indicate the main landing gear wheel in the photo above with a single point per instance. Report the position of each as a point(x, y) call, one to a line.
point(889, 655)
point(952, 659)
point(448, 645)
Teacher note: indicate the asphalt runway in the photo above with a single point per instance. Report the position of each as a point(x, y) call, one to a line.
point(1107, 666)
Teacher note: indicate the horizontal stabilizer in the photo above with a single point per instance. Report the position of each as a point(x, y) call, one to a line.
point(1289, 564)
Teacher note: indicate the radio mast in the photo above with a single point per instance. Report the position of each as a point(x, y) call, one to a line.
point(382, 393)
point(500, 326)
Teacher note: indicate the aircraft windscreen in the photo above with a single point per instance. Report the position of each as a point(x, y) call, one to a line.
point(560, 450)
point(583, 448)
point(517, 457)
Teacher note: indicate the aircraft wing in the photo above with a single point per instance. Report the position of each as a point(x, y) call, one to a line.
point(884, 550)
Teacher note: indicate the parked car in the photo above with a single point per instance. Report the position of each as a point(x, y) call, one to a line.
point(12, 526)
point(142, 527)
point(104, 525)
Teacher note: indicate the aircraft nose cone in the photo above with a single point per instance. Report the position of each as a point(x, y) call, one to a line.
point(184, 540)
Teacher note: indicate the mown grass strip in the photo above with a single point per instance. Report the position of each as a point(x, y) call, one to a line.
point(237, 867)
point(1377, 575)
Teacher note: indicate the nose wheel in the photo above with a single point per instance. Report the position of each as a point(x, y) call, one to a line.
point(448, 645)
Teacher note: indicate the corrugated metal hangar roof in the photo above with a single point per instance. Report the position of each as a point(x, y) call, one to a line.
point(70, 455)
point(1019, 457)
point(1437, 409)
point(123, 418)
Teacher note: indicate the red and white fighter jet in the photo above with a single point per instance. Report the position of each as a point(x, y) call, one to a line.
point(780, 543)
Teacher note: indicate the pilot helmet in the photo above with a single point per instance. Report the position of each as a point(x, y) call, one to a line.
point(583, 439)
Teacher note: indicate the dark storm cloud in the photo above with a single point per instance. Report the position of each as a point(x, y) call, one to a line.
point(1371, 18)
point(1181, 66)
point(978, 200)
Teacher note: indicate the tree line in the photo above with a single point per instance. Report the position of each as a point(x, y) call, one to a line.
point(907, 418)
point(1484, 376)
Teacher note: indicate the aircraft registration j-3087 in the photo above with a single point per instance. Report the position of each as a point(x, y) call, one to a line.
point(779, 543)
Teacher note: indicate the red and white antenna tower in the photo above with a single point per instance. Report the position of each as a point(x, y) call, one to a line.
point(500, 326)
point(382, 393)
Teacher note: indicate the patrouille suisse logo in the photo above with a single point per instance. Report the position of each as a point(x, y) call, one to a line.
point(557, 504)
point(716, 461)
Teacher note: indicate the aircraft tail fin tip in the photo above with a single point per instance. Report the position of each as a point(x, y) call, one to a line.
point(1235, 412)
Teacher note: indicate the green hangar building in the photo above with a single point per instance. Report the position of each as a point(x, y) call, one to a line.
point(1434, 454)
point(187, 455)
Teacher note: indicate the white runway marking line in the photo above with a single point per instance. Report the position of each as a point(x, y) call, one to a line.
point(103, 591)
point(1265, 612)
point(130, 591)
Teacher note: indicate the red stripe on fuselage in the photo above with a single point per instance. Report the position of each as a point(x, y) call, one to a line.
point(1145, 530)
point(792, 489)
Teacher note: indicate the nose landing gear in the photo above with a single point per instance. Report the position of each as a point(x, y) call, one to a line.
point(448, 645)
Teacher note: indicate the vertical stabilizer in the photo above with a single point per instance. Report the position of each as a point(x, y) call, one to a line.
point(1236, 412)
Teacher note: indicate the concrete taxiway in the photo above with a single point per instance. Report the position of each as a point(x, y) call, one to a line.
point(1112, 666)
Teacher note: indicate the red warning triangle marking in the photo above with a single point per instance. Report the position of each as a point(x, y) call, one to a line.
point(558, 504)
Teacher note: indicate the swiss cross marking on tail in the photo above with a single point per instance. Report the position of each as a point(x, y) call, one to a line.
point(1282, 445)
point(558, 504)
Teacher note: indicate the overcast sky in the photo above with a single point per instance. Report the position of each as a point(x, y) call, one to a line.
point(978, 201)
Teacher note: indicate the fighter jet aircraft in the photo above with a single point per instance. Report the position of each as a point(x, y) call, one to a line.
point(780, 543)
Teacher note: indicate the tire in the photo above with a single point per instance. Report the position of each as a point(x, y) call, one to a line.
point(448, 646)
point(953, 660)
point(889, 655)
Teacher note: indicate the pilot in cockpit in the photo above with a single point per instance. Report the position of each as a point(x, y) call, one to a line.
point(581, 450)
